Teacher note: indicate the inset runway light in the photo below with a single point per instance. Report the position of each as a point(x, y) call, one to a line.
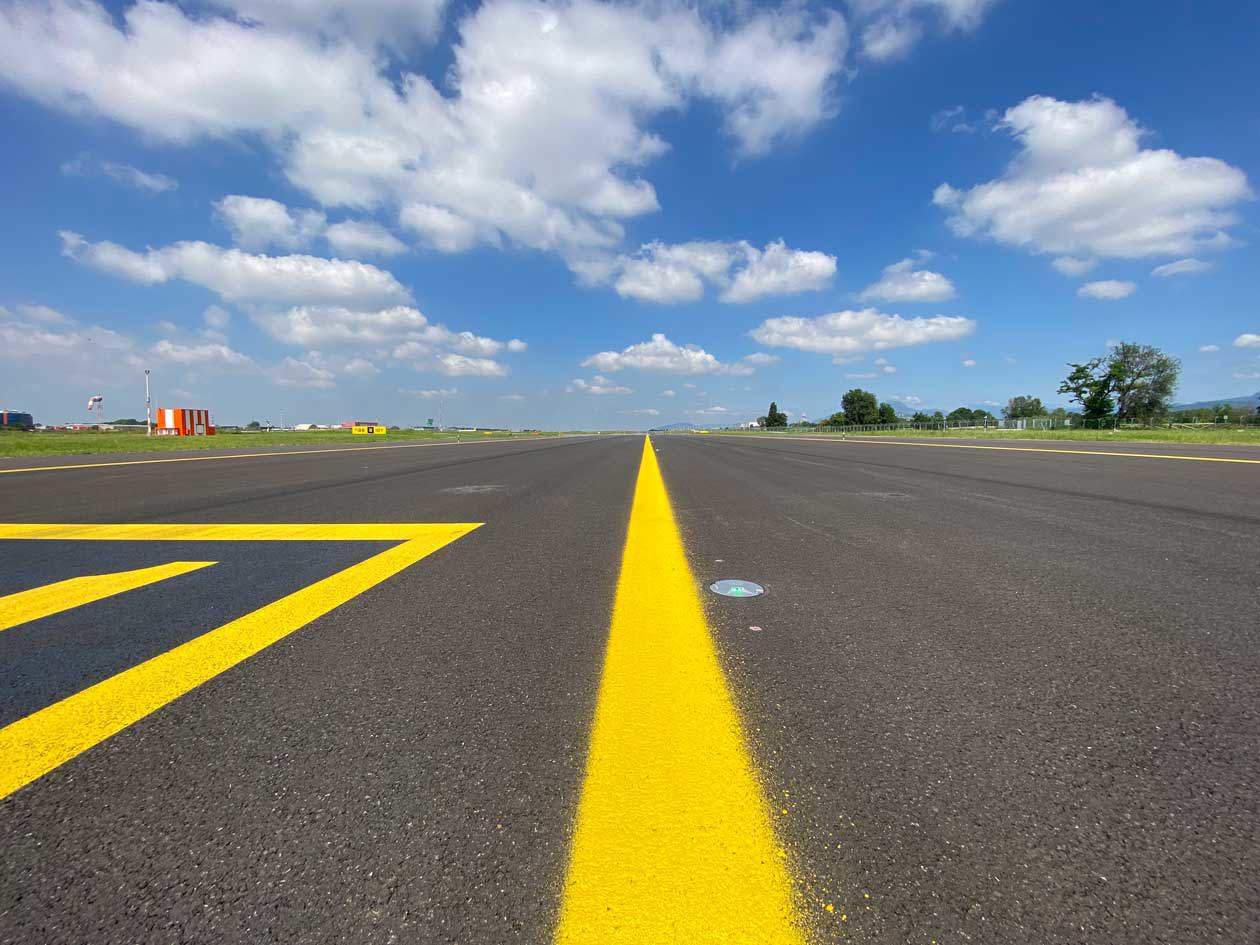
point(736, 588)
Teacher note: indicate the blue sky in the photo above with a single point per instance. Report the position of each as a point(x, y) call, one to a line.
point(552, 214)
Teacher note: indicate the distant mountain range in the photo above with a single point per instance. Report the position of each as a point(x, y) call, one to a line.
point(1247, 400)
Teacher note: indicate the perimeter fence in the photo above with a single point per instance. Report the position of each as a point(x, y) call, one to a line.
point(1029, 423)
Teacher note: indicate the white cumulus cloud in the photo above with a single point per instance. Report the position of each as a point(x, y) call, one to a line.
point(292, 372)
point(849, 333)
point(1247, 340)
point(599, 385)
point(902, 282)
point(761, 358)
point(663, 356)
point(437, 393)
point(778, 270)
point(1182, 267)
point(395, 24)
point(363, 238)
point(461, 365)
point(668, 273)
point(1082, 184)
point(1072, 266)
point(1107, 290)
point(239, 276)
point(206, 354)
point(538, 134)
point(891, 28)
point(259, 223)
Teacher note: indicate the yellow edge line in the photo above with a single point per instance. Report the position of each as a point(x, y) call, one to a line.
point(868, 441)
point(385, 531)
point(39, 602)
point(207, 459)
point(673, 841)
point(38, 743)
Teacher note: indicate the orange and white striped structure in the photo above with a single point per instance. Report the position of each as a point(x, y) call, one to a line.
point(182, 421)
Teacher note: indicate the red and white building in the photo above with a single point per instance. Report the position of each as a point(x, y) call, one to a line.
point(182, 421)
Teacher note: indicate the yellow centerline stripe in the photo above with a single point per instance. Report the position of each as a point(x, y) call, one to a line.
point(673, 842)
point(868, 441)
point(50, 599)
point(38, 743)
point(208, 459)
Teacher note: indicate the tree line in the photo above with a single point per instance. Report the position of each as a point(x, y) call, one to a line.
point(1131, 382)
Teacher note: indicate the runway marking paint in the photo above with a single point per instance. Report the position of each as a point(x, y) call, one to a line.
point(43, 740)
point(212, 459)
point(868, 441)
point(673, 841)
point(50, 599)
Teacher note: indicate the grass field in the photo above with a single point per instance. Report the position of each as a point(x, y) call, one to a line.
point(1249, 436)
point(86, 442)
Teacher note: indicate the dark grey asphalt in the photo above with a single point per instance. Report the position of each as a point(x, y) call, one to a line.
point(1008, 696)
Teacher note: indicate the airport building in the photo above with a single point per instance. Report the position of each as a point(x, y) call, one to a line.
point(182, 421)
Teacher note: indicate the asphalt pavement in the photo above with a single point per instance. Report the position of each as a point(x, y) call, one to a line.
point(989, 695)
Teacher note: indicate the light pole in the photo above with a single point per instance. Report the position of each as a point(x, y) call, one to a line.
point(148, 406)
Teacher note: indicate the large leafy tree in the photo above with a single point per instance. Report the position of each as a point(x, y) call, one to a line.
point(1133, 381)
point(860, 406)
point(961, 415)
point(1143, 379)
point(1017, 408)
point(1089, 384)
point(887, 413)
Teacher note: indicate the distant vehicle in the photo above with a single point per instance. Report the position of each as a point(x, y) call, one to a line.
point(12, 420)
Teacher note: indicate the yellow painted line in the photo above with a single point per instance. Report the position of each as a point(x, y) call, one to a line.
point(389, 531)
point(50, 599)
point(38, 743)
point(211, 459)
point(867, 441)
point(673, 841)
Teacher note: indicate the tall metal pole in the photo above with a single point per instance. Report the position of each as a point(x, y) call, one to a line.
point(148, 406)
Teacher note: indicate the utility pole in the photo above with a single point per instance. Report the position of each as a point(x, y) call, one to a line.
point(148, 406)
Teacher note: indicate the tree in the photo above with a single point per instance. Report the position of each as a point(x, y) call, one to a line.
point(1134, 380)
point(961, 415)
point(253, 425)
point(1143, 379)
point(859, 406)
point(920, 417)
point(774, 417)
point(126, 420)
point(837, 419)
point(1018, 408)
point(887, 414)
point(1089, 384)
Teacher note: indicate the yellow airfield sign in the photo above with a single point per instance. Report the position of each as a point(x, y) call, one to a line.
point(379, 430)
